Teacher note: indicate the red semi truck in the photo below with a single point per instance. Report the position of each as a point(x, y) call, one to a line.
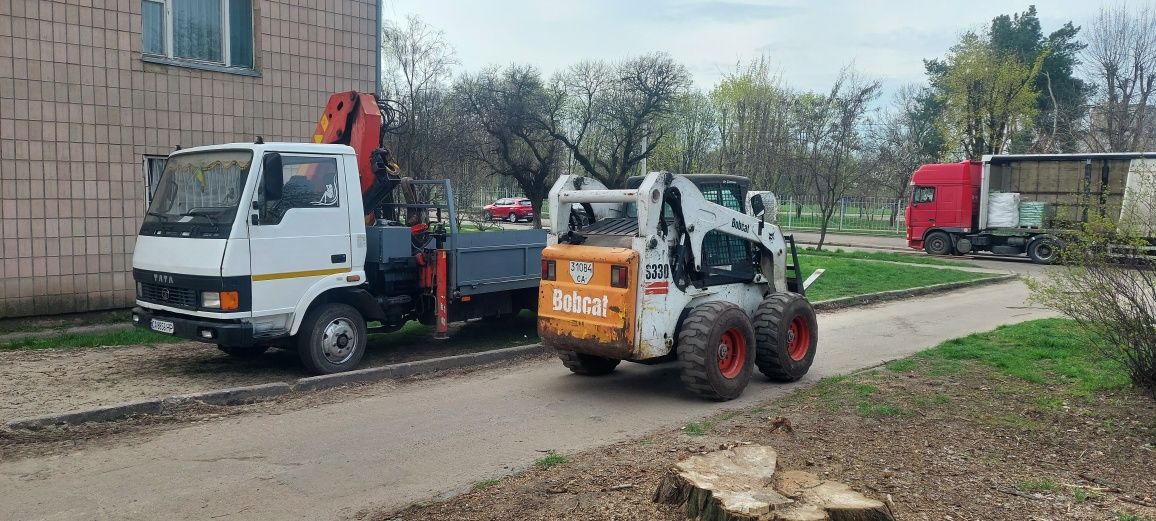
point(1022, 204)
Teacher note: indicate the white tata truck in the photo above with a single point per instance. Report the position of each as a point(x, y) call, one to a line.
point(256, 245)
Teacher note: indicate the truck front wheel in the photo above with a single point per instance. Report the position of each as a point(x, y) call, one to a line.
point(332, 339)
point(937, 243)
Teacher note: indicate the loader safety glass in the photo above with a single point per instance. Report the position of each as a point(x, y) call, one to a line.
point(222, 300)
point(618, 276)
point(549, 270)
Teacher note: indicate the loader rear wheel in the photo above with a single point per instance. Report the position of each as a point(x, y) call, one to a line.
point(587, 365)
point(787, 333)
point(716, 350)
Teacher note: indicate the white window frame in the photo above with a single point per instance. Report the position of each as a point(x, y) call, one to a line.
point(226, 37)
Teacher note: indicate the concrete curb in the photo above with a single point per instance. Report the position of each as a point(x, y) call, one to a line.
point(402, 370)
point(108, 412)
point(233, 396)
point(885, 296)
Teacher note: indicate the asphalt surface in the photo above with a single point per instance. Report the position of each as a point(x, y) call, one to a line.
point(434, 438)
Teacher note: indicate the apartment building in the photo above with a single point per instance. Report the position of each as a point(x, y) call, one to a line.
point(95, 93)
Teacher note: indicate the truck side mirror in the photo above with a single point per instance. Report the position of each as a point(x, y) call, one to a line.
point(272, 175)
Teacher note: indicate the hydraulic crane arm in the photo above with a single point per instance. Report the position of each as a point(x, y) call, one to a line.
point(355, 119)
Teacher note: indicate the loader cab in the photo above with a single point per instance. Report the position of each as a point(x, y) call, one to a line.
point(727, 258)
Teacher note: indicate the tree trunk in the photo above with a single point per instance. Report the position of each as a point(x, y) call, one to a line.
point(741, 484)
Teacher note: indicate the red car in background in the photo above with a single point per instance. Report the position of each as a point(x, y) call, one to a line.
point(510, 209)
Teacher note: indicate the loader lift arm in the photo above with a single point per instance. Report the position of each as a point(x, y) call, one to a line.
point(695, 217)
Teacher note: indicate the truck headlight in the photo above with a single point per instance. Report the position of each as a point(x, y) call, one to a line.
point(222, 300)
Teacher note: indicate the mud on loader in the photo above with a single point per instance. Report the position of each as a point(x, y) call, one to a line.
point(677, 272)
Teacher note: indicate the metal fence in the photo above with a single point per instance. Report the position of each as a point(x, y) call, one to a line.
point(860, 215)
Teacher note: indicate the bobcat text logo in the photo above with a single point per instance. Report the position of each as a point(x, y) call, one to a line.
point(741, 226)
point(575, 303)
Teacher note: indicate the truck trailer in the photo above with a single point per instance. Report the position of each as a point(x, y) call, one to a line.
point(300, 246)
point(1026, 204)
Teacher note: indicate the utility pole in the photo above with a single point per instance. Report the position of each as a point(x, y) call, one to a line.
point(645, 145)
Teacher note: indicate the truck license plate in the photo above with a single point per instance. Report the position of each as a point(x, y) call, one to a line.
point(581, 272)
point(161, 326)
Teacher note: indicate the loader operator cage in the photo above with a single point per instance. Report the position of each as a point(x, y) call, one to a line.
point(726, 258)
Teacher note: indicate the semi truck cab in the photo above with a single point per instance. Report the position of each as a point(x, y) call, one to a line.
point(240, 237)
point(943, 196)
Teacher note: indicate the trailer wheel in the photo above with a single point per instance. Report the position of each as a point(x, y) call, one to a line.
point(716, 350)
point(243, 353)
point(587, 365)
point(787, 334)
point(1044, 250)
point(332, 339)
point(937, 243)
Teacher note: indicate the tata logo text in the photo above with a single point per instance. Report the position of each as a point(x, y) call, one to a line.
point(741, 226)
point(575, 303)
point(162, 278)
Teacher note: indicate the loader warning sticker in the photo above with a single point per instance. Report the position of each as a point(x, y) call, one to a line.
point(575, 303)
point(659, 287)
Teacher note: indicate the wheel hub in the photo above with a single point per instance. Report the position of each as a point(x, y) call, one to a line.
point(338, 341)
point(722, 351)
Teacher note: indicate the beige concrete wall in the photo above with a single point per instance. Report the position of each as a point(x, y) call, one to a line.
point(80, 109)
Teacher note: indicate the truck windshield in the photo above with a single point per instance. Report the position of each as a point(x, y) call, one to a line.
point(197, 194)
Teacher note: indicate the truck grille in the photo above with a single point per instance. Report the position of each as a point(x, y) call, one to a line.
point(178, 297)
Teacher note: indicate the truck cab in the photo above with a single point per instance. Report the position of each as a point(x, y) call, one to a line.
point(226, 257)
point(944, 197)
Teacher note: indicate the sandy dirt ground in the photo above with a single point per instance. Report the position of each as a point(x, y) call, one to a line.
point(951, 450)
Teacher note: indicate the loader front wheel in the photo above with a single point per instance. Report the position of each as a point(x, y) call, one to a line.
point(716, 350)
point(587, 365)
point(787, 333)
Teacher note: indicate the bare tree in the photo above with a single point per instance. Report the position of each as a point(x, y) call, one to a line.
point(691, 136)
point(832, 145)
point(506, 107)
point(418, 65)
point(754, 123)
point(1121, 60)
point(611, 117)
point(903, 138)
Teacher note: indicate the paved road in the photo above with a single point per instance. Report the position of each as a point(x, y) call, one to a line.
point(437, 437)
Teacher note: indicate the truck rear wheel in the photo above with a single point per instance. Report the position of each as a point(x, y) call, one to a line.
point(1044, 250)
point(587, 365)
point(332, 339)
point(787, 335)
point(716, 350)
point(937, 243)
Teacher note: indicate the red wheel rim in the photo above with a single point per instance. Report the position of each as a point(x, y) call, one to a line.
point(732, 353)
point(798, 338)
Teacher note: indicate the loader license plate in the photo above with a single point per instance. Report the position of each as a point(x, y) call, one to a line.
point(581, 272)
point(161, 326)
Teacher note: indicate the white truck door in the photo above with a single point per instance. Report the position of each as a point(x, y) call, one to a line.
point(301, 238)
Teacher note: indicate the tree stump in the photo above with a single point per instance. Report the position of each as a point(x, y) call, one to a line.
point(740, 484)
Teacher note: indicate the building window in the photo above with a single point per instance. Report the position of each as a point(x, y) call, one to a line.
point(154, 166)
point(214, 32)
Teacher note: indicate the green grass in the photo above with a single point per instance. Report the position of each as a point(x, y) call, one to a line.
point(847, 277)
point(30, 324)
point(553, 459)
point(124, 337)
point(486, 483)
point(901, 366)
point(885, 256)
point(1128, 516)
point(1050, 352)
point(1039, 485)
point(698, 428)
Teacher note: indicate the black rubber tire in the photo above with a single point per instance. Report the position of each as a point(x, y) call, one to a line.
point(772, 332)
point(512, 217)
point(312, 332)
point(938, 243)
point(699, 343)
point(489, 216)
point(587, 365)
point(1044, 250)
point(243, 353)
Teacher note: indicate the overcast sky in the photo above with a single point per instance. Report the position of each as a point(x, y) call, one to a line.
point(809, 41)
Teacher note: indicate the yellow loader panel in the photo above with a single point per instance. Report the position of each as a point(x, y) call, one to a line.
point(581, 310)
